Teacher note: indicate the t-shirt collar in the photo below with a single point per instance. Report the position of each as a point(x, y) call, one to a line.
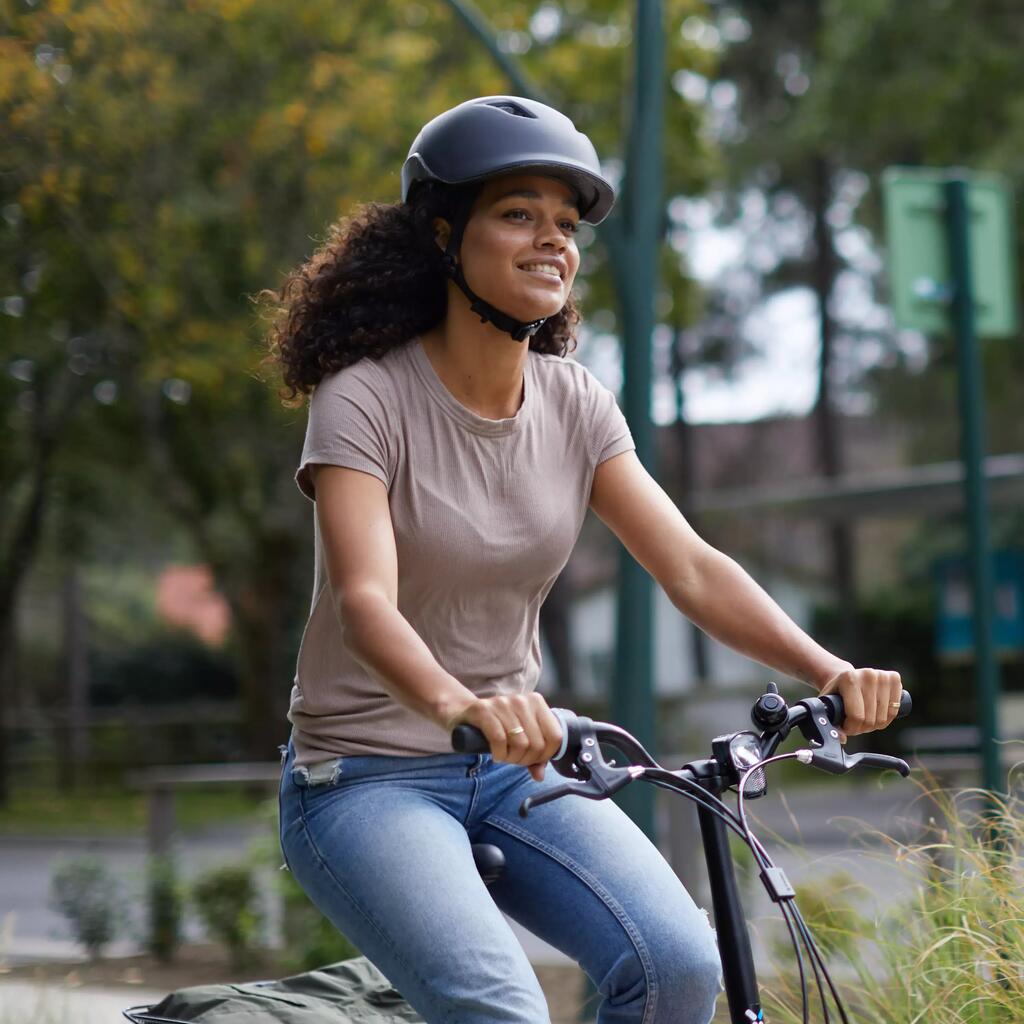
point(478, 424)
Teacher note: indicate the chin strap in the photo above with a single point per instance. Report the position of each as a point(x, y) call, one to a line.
point(519, 329)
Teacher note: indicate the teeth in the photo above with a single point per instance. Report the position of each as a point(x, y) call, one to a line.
point(544, 268)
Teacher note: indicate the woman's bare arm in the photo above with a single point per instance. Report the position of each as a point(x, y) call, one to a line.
point(362, 565)
point(718, 595)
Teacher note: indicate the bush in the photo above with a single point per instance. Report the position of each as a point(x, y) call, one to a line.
point(227, 901)
point(953, 953)
point(88, 896)
point(166, 669)
point(310, 939)
point(164, 896)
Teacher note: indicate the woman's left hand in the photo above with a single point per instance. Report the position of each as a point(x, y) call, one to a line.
point(870, 699)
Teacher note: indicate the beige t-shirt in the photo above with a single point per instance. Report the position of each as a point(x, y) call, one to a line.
point(485, 515)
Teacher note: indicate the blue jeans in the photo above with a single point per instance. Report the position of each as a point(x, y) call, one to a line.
point(381, 845)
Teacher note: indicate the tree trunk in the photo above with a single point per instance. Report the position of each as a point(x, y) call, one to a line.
point(259, 626)
point(17, 559)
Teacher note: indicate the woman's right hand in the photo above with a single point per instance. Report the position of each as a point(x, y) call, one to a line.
point(495, 717)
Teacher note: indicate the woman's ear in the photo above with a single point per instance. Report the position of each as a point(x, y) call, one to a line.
point(442, 232)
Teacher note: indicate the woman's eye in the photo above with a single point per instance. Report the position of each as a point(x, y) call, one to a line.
point(568, 225)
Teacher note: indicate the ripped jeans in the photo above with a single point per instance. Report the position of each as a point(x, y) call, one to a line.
point(381, 845)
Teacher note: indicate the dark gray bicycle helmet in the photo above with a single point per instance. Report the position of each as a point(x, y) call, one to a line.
point(492, 135)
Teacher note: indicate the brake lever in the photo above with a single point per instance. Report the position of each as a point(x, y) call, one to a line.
point(827, 752)
point(601, 784)
point(869, 760)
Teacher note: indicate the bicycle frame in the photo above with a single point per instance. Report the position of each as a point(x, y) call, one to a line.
point(738, 974)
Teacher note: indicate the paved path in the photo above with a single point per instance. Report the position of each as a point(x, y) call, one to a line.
point(28, 1003)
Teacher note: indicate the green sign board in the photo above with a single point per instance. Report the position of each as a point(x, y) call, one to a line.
point(918, 243)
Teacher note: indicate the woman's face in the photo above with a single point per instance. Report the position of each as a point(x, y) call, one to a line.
point(519, 247)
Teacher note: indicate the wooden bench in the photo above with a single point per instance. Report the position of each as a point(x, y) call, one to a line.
point(161, 784)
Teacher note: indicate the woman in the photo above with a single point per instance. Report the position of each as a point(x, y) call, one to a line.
point(452, 453)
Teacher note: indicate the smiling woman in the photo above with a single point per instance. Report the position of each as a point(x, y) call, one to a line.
point(451, 452)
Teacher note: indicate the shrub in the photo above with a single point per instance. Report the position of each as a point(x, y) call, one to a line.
point(88, 896)
point(227, 901)
point(950, 955)
point(164, 896)
point(310, 939)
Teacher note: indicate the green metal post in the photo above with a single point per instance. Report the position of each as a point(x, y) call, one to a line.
point(632, 704)
point(632, 236)
point(972, 419)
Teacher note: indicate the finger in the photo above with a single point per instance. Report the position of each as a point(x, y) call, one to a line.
point(522, 733)
point(489, 722)
point(895, 693)
point(853, 703)
point(842, 735)
point(522, 747)
point(876, 700)
point(534, 715)
point(551, 728)
point(883, 713)
point(537, 771)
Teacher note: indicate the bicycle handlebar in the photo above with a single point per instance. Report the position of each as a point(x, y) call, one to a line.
point(467, 739)
point(579, 757)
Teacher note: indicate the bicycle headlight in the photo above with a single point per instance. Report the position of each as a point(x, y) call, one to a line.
point(740, 751)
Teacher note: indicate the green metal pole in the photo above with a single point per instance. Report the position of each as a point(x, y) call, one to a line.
point(477, 24)
point(632, 236)
point(972, 419)
point(632, 704)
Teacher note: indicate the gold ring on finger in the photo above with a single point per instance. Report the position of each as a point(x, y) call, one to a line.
point(517, 729)
point(896, 705)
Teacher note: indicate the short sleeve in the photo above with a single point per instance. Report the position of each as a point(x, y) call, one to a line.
point(348, 426)
point(609, 432)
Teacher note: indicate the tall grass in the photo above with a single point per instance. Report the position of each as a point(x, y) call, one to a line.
point(952, 954)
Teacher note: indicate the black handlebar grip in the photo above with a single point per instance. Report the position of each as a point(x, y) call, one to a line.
point(468, 739)
point(837, 712)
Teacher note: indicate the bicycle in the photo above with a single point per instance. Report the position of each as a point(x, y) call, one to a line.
point(737, 763)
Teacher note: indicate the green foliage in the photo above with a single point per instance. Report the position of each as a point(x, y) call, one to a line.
point(227, 901)
point(949, 955)
point(828, 907)
point(310, 940)
point(171, 668)
point(165, 898)
point(85, 893)
point(166, 161)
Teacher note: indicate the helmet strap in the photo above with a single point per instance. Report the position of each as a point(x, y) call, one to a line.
point(520, 330)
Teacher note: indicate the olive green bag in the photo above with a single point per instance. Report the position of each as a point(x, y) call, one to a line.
point(350, 992)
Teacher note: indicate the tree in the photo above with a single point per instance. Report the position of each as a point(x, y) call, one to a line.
point(164, 163)
point(936, 90)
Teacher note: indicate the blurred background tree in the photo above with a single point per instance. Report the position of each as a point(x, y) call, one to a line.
point(162, 163)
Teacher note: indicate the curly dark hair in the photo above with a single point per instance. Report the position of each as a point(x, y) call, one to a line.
point(375, 283)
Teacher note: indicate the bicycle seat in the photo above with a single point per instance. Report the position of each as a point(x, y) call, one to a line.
point(489, 860)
